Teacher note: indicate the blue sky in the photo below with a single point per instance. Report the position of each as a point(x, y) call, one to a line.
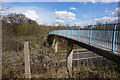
point(63, 13)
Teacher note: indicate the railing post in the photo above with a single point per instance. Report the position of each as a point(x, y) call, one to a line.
point(71, 32)
point(78, 33)
point(63, 31)
point(57, 31)
point(114, 34)
point(90, 35)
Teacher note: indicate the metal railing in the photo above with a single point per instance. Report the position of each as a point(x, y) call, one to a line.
point(108, 38)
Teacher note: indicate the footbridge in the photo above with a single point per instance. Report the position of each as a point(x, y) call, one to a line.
point(103, 41)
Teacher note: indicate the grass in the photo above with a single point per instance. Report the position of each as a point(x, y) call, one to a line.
point(97, 71)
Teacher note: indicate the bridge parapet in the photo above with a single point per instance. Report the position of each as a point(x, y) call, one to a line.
point(107, 38)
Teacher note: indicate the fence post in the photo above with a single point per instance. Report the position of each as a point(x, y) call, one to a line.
point(78, 33)
point(90, 35)
point(27, 61)
point(71, 32)
point(114, 34)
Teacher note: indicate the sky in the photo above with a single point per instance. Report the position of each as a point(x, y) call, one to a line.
point(63, 13)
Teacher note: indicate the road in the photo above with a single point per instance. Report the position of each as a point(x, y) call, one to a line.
point(86, 58)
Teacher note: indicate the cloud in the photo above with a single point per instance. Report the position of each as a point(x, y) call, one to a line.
point(59, 21)
point(85, 16)
point(109, 1)
point(30, 1)
point(108, 19)
point(107, 11)
point(93, 1)
point(31, 14)
point(72, 8)
point(85, 23)
point(43, 18)
point(85, 3)
point(64, 15)
point(115, 13)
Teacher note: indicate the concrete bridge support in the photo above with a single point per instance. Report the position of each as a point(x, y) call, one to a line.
point(55, 44)
point(69, 53)
point(69, 58)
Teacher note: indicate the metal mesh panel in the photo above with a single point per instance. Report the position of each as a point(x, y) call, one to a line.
point(102, 38)
point(117, 40)
point(99, 37)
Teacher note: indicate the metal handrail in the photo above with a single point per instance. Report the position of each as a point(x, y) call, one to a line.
point(107, 38)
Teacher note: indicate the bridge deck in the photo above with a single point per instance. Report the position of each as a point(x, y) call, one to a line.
point(101, 42)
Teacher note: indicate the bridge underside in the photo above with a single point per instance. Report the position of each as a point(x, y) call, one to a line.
point(105, 53)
